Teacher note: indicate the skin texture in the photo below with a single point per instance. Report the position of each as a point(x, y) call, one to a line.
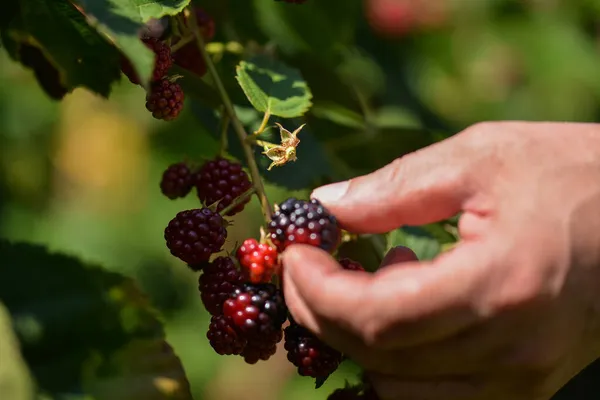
point(512, 312)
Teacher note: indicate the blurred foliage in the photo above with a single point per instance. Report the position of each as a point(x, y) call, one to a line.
point(81, 176)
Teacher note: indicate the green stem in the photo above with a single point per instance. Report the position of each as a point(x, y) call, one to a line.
point(224, 131)
point(263, 124)
point(182, 42)
point(237, 125)
point(238, 200)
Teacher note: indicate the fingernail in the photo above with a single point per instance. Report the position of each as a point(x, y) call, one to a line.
point(331, 193)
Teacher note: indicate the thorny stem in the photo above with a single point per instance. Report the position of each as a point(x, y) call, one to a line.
point(238, 200)
point(237, 125)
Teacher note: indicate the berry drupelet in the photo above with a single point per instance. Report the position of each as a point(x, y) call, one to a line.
point(304, 222)
point(258, 261)
point(177, 181)
point(218, 281)
point(222, 181)
point(257, 309)
point(165, 99)
point(224, 337)
point(312, 356)
point(262, 348)
point(162, 64)
point(194, 235)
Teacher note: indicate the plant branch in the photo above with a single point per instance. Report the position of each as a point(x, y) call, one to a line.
point(237, 125)
point(238, 200)
point(263, 124)
point(224, 130)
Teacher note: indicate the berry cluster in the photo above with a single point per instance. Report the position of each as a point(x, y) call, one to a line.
point(242, 291)
point(165, 97)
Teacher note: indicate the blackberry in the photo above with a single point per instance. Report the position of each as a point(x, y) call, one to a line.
point(304, 222)
point(262, 348)
point(310, 355)
point(162, 62)
point(258, 261)
point(222, 181)
point(194, 235)
point(257, 309)
point(188, 57)
point(206, 23)
point(165, 99)
point(351, 265)
point(224, 336)
point(218, 281)
point(177, 181)
point(347, 393)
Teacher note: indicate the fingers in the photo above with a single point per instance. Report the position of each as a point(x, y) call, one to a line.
point(402, 305)
point(419, 188)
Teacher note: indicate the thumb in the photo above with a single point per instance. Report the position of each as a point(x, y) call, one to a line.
point(419, 188)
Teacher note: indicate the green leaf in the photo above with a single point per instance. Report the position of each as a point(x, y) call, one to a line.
point(16, 382)
point(79, 53)
point(425, 245)
point(86, 332)
point(121, 21)
point(273, 87)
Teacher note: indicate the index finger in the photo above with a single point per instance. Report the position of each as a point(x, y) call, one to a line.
point(405, 305)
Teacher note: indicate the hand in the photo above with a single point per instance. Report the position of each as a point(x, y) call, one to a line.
point(512, 312)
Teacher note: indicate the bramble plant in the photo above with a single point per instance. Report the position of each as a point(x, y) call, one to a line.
point(252, 95)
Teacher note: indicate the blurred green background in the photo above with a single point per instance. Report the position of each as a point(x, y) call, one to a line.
point(81, 176)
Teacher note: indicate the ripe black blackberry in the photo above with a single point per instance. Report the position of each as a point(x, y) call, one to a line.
point(351, 265)
point(304, 222)
point(194, 235)
point(262, 348)
point(163, 61)
point(224, 337)
point(222, 181)
point(165, 99)
point(310, 355)
point(257, 309)
point(218, 281)
point(177, 181)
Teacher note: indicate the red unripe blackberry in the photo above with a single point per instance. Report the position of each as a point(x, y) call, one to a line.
point(162, 62)
point(177, 181)
point(350, 265)
point(165, 100)
point(257, 309)
point(304, 222)
point(307, 352)
point(206, 23)
point(222, 181)
point(258, 261)
point(218, 281)
point(262, 348)
point(194, 235)
point(224, 337)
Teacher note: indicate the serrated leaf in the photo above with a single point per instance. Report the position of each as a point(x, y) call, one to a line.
point(425, 246)
point(273, 87)
point(121, 21)
point(81, 55)
point(86, 332)
point(16, 382)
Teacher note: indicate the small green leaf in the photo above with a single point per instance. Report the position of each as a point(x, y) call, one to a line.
point(425, 246)
point(86, 332)
point(16, 382)
point(274, 87)
point(121, 21)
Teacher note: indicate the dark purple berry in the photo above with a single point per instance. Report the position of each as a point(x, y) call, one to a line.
point(224, 337)
point(177, 181)
point(165, 99)
point(217, 283)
